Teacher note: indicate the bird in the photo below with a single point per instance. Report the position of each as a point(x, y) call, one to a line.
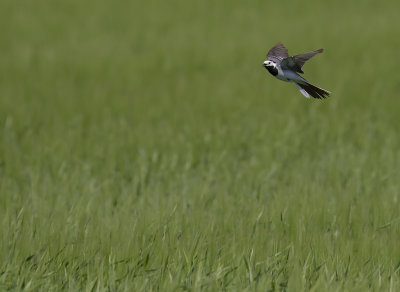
point(285, 67)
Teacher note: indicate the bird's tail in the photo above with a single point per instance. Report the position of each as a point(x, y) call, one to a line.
point(308, 89)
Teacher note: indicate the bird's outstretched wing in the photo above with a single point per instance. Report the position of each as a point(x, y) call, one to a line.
point(295, 63)
point(279, 51)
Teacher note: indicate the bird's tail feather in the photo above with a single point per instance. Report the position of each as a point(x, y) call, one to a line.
point(303, 92)
point(312, 90)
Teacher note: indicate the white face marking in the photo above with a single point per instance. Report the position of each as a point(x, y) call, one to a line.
point(269, 63)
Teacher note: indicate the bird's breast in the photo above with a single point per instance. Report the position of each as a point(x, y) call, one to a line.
point(272, 70)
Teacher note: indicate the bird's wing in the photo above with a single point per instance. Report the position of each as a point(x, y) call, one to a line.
point(279, 52)
point(288, 63)
point(296, 62)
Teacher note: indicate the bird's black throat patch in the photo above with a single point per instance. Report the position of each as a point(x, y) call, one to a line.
point(272, 70)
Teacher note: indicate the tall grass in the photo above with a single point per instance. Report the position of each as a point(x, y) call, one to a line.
point(144, 147)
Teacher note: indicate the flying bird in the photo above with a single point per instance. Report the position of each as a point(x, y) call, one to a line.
point(285, 68)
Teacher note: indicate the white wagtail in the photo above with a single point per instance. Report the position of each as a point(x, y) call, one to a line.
point(283, 67)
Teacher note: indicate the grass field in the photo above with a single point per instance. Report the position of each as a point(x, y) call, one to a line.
point(145, 148)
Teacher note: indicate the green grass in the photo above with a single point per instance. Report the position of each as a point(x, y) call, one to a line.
point(145, 148)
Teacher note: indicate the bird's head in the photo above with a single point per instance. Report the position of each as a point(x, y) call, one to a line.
point(269, 63)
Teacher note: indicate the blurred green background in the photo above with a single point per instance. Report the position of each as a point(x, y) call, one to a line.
point(145, 147)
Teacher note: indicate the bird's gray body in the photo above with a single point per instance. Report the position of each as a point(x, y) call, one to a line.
point(288, 75)
point(285, 68)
